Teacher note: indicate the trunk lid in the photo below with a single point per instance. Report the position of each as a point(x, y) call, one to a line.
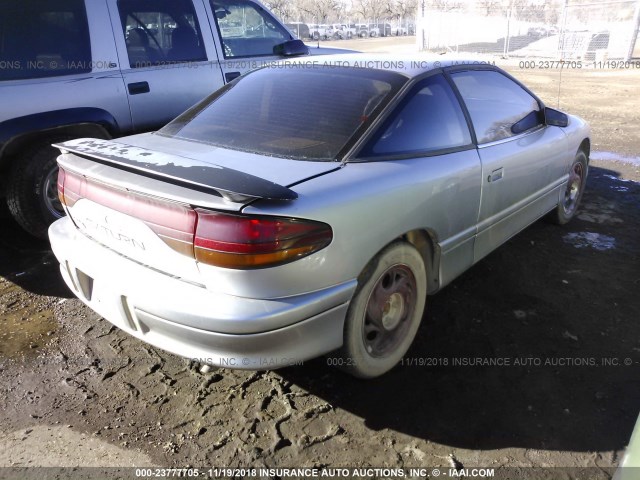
point(139, 196)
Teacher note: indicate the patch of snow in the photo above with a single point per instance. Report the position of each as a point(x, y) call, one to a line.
point(593, 240)
point(614, 157)
point(613, 177)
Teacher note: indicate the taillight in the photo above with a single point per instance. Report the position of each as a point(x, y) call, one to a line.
point(174, 223)
point(214, 238)
point(61, 175)
point(242, 242)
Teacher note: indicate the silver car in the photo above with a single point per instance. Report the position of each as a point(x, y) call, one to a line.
point(249, 234)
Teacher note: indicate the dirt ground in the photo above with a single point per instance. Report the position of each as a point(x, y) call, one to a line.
point(555, 311)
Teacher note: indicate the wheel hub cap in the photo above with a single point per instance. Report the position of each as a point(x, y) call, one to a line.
point(389, 311)
point(392, 311)
point(573, 189)
point(50, 194)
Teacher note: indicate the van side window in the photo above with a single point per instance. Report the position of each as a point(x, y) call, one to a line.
point(160, 32)
point(246, 29)
point(43, 38)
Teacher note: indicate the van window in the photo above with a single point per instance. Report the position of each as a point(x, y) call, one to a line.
point(161, 32)
point(43, 38)
point(246, 29)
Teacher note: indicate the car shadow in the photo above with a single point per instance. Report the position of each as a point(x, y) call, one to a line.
point(529, 348)
point(27, 261)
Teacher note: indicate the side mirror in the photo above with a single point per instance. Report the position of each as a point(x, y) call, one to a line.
point(291, 48)
point(555, 118)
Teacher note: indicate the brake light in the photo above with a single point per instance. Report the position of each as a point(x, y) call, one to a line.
point(214, 238)
point(61, 176)
point(174, 223)
point(242, 242)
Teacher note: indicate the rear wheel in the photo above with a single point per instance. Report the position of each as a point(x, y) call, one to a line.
point(568, 206)
point(32, 193)
point(385, 313)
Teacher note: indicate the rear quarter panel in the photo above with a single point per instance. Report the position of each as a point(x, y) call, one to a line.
point(368, 205)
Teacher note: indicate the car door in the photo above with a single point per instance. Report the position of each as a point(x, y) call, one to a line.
point(522, 159)
point(428, 137)
point(245, 35)
point(167, 57)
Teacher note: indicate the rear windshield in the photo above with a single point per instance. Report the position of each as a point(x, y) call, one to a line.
point(300, 112)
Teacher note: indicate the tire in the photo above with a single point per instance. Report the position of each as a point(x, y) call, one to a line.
point(568, 206)
point(32, 188)
point(316, 36)
point(385, 312)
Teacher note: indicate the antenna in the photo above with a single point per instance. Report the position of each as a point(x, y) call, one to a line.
point(560, 84)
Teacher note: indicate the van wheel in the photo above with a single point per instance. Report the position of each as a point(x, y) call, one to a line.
point(568, 206)
point(32, 192)
point(385, 313)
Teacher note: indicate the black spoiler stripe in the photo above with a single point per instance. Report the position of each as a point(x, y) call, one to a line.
point(221, 181)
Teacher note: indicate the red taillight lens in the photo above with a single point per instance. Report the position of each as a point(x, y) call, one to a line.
point(69, 186)
point(174, 223)
point(61, 175)
point(215, 238)
point(242, 242)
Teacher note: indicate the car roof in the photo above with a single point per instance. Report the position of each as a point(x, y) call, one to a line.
point(408, 65)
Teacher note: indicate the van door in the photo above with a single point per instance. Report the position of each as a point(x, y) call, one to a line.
point(168, 60)
point(245, 34)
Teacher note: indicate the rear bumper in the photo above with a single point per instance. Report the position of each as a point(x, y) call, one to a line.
point(191, 321)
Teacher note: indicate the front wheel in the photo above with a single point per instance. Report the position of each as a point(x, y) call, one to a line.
point(568, 206)
point(32, 193)
point(385, 313)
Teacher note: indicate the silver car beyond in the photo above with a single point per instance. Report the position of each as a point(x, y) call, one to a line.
point(311, 206)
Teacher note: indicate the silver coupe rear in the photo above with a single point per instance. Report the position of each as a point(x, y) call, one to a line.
point(311, 207)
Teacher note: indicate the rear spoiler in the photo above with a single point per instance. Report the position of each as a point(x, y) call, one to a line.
point(204, 177)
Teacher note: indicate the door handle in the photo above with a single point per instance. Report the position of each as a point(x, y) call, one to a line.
point(138, 88)
point(230, 76)
point(496, 175)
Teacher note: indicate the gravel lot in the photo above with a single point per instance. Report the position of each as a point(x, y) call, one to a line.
point(556, 308)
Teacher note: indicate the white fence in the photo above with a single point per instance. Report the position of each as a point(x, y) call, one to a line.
point(562, 31)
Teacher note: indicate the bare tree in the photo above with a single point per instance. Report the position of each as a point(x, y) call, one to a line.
point(388, 8)
point(444, 5)
point(397, 9)
point(369, 9)
point(406, 8)
point(492, 7)
point(284, 9)
point(320, 10)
